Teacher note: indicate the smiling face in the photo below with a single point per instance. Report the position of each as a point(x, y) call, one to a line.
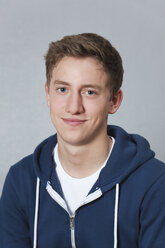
point(79, 100)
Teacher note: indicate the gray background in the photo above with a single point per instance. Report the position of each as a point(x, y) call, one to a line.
point(135, 28)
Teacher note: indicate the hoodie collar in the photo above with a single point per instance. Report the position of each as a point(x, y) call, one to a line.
point(129, 152)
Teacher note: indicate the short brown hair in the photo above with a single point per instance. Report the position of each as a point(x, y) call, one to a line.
point(87, 45)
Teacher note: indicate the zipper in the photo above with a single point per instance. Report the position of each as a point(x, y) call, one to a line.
point(89, 198)
point(56, 197)
point(72, 228)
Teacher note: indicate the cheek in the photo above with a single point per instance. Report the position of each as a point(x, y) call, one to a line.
point(98, 108)
point(57, 105)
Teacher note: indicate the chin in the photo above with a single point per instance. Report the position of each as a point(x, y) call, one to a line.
point(72, 139)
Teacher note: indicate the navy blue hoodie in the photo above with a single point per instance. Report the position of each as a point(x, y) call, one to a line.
point(124, 209)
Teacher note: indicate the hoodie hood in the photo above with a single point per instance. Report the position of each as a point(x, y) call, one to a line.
point(129, 152)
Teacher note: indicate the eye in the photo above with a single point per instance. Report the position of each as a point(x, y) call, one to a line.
point(62, 90)
point(90, 92)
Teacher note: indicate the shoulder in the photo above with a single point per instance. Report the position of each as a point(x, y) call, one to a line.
point(20, 175)
point(151, 170)
point(149, 176)
point(154, 173)
point(22, 167)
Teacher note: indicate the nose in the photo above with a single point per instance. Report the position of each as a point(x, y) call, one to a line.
point(74, 104)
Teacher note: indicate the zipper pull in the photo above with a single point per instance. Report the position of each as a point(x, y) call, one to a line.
point(72, 222)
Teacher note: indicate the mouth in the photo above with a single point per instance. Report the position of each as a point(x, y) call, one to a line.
point(73, 122)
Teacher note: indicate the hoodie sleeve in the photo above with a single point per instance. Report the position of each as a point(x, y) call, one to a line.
point(152, 218)
point(14, 227)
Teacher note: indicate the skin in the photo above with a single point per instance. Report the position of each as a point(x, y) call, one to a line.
point(79, 102)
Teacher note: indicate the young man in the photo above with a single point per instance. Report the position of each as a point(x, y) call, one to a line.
point(88, 186)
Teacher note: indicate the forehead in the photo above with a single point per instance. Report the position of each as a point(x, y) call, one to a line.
point(87, 70)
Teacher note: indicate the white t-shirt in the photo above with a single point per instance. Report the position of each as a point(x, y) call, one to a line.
point(75, 190)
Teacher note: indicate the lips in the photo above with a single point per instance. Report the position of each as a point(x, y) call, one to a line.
point(73, 122)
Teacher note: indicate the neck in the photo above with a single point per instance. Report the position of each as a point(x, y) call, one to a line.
point(83, 161)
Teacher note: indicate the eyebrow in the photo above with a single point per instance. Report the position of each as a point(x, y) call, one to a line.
point(58, 82)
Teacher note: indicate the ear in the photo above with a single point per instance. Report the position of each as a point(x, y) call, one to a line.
point(47, 94)
point(115, 102)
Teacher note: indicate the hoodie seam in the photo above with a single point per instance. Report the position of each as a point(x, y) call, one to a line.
point(150, 187)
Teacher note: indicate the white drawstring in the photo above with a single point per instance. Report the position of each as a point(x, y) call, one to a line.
point(36, 213)
point(116, 215)
point(37, 207)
